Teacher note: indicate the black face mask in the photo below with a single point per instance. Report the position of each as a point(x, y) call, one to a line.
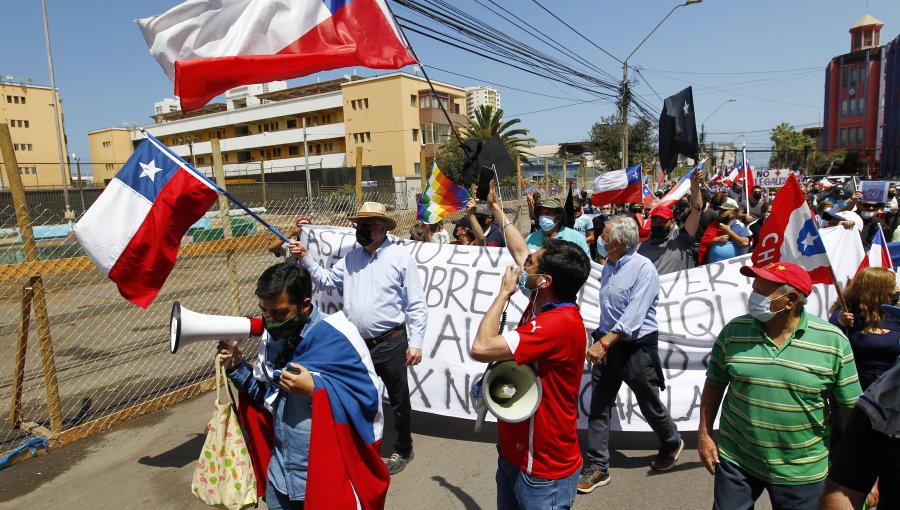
point(659, 233)
point(284, 329)
point(891, 194)
point(364, 235)
point(757, 196)
point(895, 298)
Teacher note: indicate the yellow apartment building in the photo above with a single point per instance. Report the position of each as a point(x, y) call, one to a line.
point(395, 118)
point(109, 149)
point(27, 110)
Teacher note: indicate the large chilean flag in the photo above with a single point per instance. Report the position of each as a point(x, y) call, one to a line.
point(133, 231)
point(345, 467)
point(790, 234)
point(209, 46)
point(618, 186)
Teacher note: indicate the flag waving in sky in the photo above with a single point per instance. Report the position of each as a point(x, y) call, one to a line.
point(133, 231)
point(207, 47)
point(678, 130)
point(618, 186)
point(790, 234)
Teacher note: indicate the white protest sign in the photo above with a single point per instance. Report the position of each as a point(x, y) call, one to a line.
point(772, 178)
point(460, 283)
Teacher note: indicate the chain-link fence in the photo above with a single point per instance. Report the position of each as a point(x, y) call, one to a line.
point(78, 358)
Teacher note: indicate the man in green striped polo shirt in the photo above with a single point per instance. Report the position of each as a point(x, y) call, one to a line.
point(780, 366)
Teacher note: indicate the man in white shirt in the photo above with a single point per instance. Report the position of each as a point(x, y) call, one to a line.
point(382, 297)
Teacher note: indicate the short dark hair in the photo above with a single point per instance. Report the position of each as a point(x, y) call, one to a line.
point(567, 263)
point(286, 276)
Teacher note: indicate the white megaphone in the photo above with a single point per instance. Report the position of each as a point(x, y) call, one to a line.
point(512, 392)
point(186, 327)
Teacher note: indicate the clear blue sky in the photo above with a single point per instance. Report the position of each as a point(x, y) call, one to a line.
point(726, 49)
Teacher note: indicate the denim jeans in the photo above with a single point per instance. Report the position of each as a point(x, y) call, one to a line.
point(517, 489)
point(278, 501)
point(389, 359)
point(737, 490)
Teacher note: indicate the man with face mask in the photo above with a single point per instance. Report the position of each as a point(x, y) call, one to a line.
point(781, 366)
point(383, 297)
point(552, 224)
point(593, 236)
point(871, 213)
point(284, 292)
point(670, 247)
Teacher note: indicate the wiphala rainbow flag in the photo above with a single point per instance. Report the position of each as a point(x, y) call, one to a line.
point(441, 197)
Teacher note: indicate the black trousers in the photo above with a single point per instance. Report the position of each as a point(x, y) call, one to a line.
point(389, 359)
point(631, 364)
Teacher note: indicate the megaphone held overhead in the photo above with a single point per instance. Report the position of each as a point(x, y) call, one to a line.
point(187, 326)
point(512, 392)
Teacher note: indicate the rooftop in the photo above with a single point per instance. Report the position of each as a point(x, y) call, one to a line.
point(867, 20)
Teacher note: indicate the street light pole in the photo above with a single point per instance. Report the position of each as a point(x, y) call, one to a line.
point(626, 94)
point(703, 123)
point(80, 184)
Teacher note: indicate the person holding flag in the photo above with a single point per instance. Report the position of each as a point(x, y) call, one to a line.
point(670, 248)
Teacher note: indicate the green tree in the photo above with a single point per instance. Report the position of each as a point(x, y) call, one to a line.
point(819, 162)
point(488, 122)
point(790, 148)
point(606, 141)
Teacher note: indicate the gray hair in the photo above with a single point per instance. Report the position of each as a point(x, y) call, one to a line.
point(625, 230)
point(784, 289)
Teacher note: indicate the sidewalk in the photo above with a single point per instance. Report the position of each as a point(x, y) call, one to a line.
point(148, 463)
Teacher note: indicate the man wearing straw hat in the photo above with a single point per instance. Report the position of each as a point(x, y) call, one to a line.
point(383, 297)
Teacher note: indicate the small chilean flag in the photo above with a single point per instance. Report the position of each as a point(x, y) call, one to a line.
point(209, 46)
point(878, 255)
point(618, 186)
point(133, 231)
point(681, 189)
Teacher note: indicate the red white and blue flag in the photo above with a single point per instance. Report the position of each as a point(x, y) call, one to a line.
point(345, 469)
point(133, 231)
point(681, 189)
point(878, 255)
point(207, 47)
point(748, 178)
point(790, 234)
point(648, 195)
point(618, 186)
point(733, 175)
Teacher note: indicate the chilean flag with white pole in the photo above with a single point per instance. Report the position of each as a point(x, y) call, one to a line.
point(681, 189)
point(209, 46)
point(618, 186)
point(133, 231)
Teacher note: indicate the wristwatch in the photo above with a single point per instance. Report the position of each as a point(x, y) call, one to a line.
point(507, 223)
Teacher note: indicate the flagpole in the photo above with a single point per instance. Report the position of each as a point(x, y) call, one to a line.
point(159, 145)
point(746, 171)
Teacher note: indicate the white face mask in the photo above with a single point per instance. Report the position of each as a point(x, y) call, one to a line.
point(867, 215)
point(547, 222)
point(758, 306)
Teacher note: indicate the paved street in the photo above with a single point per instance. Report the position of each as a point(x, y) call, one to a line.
point(148, 463)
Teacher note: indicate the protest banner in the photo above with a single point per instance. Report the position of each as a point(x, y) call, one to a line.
point(875, 191)
point(772, 178)
point(460, 283)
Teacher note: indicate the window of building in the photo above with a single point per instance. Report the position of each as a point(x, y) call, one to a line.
point(417, 168)
point(276, 152)
point(20, 123)
point(862, 105)
point(368, 136)
point(16, 99)
point(845, 77)
point(366, 102)
point(110, 166)
point(318, 148)
point(15, 146)
point(293, 150)
point(106, 145)
point(30, 148)
point(867, 38)
point(353, 104)
point(844, 108)
point(9, 99)
point(23, 99)
point(326, 119)
point(329, 147)
point(861, 135)
point(225, 158)
point(412, 100)
point(355, 137)
point(415, 134)
point(853, 106)
point(291, 123)
point(200, 160)
point(456, 108)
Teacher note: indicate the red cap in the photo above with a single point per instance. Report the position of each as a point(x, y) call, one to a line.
point(782, 272)
point(663, 212)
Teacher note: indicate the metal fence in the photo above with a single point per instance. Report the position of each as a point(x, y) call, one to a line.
point(98, 360)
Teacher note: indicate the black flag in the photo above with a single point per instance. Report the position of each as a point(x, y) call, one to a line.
point(481, 160)
point(569, 207)
point(678, 130)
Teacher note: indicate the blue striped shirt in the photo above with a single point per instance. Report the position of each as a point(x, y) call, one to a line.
point(629, 290)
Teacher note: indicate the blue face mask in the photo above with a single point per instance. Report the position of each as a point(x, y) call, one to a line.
point(523, 282)
point(758, 306)
point(601, 248)
point(547, 223)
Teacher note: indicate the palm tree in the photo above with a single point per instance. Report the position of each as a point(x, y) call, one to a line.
point(489, 122)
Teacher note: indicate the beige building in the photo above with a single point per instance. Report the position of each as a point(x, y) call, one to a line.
point(109, 149)
point(27, 110)
point(394, 118)
point(397, 120)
